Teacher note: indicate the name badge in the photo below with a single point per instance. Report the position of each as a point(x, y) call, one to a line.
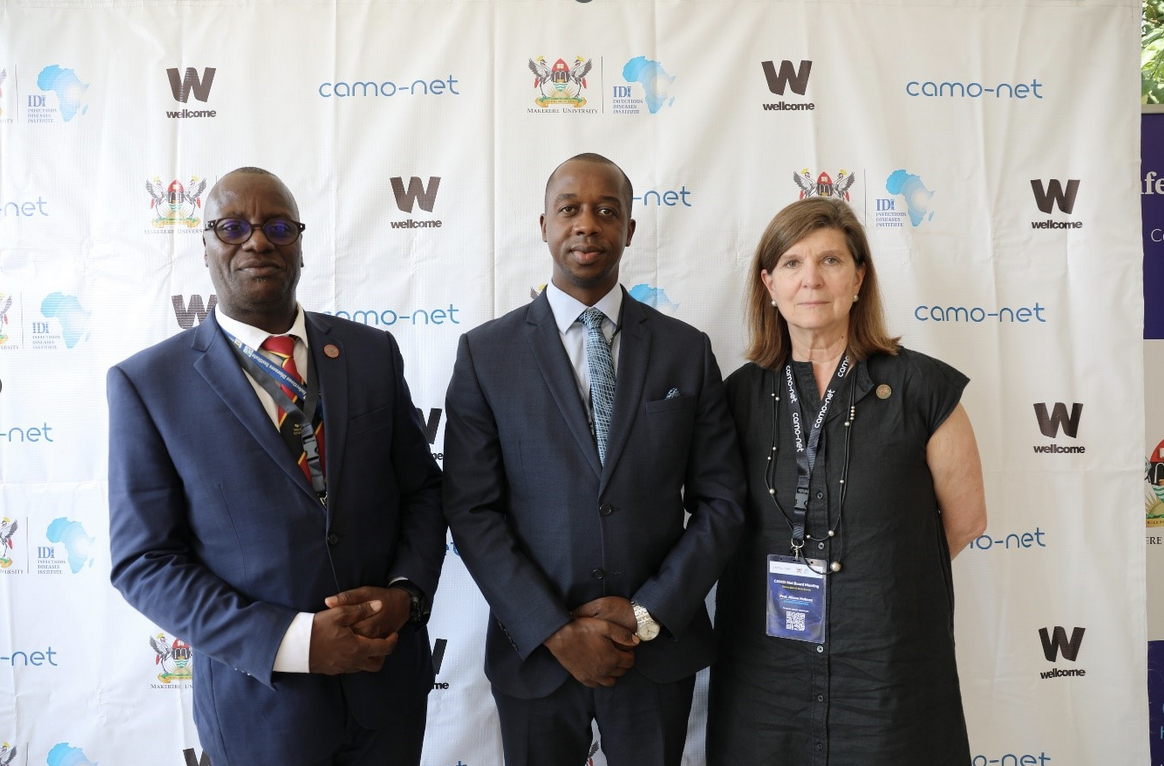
point(796, 598)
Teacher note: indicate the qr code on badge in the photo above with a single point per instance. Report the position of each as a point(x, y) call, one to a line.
point(794, 621)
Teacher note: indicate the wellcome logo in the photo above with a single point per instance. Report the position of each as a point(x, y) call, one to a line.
point(561, 87)
point(1052, 194)
point(789, 76)
point(930, 89)
point(1055, 643)
point(649, 86)
point(190, 84)
point(416, 195)
point(438, 658)
point(191, 758)
point(431, 426)
point(192, 311)
point(1050, 423)
point(824, 185)
point(176, 206)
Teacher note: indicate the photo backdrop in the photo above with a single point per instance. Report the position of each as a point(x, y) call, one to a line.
point(987, 146)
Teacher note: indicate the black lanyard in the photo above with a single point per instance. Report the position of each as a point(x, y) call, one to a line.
point(806, 450)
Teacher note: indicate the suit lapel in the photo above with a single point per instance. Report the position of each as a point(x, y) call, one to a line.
point(633, 361)
point(546, 344)
point(331, 370)
point(220, 368)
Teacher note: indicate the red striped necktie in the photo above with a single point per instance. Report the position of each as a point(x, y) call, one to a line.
point(283, 347)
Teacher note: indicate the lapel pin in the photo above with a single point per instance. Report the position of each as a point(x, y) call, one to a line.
point(331, 350)
point(884, 391)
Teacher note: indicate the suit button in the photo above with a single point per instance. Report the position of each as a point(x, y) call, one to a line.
point(597, 574)
point(333, 539)
point(606, 509)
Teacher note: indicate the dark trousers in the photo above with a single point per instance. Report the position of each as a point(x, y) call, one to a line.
point(396, 744)
point(640, 723)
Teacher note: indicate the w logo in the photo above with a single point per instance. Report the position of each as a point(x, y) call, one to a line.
point(416, 193)
point(1056, 643)
point(192, 760)
point(438, 654)
point(1053, 194)
point(195, 311)
point(1058, 418)
point(190, 83)
point(796, 78)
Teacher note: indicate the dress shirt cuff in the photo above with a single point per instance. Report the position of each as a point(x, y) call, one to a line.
point(294, 655)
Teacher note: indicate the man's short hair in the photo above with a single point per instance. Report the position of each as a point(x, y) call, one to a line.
point(628, 191)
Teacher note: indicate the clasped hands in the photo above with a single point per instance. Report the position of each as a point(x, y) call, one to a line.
point(597, 646)
point(357, 630)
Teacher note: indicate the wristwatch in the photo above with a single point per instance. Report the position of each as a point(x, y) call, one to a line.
point(418, 608)
point(648, 628)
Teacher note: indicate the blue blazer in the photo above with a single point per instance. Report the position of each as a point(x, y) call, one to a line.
point(217, 536)
point(544, 527)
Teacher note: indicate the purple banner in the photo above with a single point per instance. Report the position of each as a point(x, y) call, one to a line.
point(1156, 700)
point(1152, 208)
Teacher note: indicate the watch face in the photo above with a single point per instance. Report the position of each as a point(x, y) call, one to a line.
point(648, 628)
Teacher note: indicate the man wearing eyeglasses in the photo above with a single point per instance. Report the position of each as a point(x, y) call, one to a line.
point(273, 501)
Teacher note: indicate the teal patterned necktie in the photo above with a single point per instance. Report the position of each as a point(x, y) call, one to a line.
point(601, 364)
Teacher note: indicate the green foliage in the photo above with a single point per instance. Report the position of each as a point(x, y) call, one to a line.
point(1152, 53)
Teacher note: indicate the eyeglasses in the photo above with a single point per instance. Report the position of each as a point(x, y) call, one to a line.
point(236, 231)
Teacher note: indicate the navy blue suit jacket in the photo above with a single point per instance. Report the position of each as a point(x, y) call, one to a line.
point(217, 536)
point(544, 527)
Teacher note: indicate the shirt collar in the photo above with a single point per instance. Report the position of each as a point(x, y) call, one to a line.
point(567, 308)
point(253, 336)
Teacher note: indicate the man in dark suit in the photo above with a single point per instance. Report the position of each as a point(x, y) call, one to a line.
point(300, 565)
point(572, 458)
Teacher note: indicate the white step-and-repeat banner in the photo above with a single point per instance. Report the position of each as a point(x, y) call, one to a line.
point(987, 146)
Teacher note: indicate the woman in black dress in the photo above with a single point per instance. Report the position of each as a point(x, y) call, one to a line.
point(835, 620)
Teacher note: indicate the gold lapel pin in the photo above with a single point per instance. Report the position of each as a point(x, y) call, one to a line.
point(331, 350)
point(884, 391)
